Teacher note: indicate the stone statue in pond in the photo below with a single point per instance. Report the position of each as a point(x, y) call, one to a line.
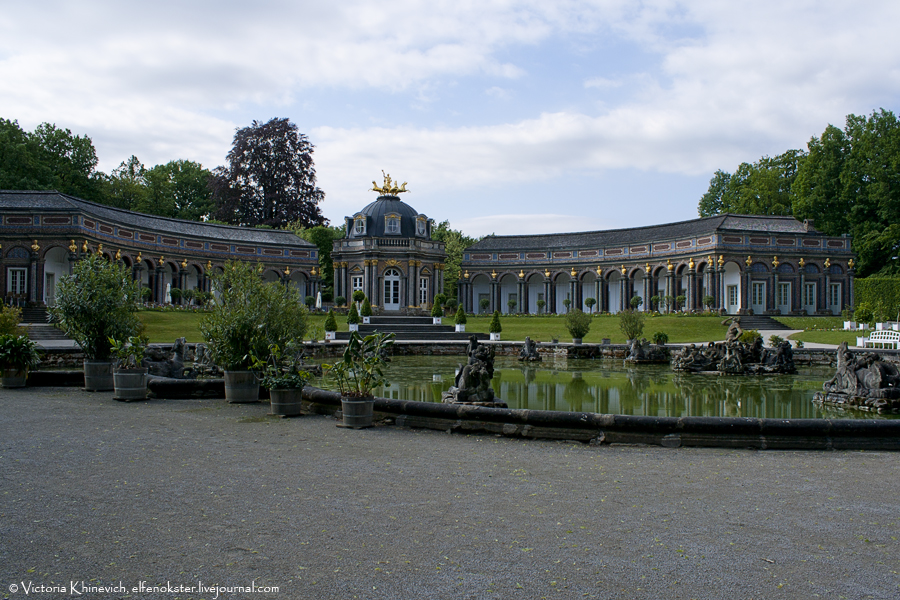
point(733, 357)
point(863, 381)
point(642, 351)
point(529, 351)
point(473, 381)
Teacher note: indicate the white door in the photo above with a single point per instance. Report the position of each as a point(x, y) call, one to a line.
point(783, 298)
point(391, 290)
point(809, 298)
point(50, 289)
point(733, 301)
point(758, 299)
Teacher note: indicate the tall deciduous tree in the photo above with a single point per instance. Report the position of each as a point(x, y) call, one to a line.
point(270, 178)
point(761, 188)
point(454, 243)
point(851, 183)
point(126, 186)
point(323, 237)
point(180, 189)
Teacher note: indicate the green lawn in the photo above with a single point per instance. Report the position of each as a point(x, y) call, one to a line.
point(167, 326)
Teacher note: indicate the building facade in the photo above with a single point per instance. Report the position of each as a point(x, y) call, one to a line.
point(389, 255)
point(42, 233)
point(739, 263)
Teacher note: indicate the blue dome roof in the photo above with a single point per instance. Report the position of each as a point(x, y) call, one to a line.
point(376, 215)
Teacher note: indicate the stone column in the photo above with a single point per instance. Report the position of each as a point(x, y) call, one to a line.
point(495, 298)
point(692, 289)
point(550, 296)
point(414, 278)
point(33, 274)
point(851, 293)
point(520, 295)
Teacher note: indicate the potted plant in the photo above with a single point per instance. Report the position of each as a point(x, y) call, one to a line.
point(495, 327)
point(436, 313)
point(97, 302)
point(247, 318)
point(284, 375)
point(330, 326)
point(353, 318)
point(460, 319)
point(578, 323)
point(18, 355)
point(360, 370)
point(590, 302)
point(541, 303)
point(660, 338)
point(358, 296)
point(175, 294)
point(366, 311)
point(340, 301)
point(484, 303)
point(129, 377)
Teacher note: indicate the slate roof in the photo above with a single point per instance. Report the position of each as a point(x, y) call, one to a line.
point(53, 201)
point(375, 212)
point(644, 235)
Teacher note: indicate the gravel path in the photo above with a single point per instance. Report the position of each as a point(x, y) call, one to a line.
point(182, 491)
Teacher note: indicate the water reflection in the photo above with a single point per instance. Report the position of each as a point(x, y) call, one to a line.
point(603, 386)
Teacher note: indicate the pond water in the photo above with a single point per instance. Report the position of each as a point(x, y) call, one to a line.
point(609, 387)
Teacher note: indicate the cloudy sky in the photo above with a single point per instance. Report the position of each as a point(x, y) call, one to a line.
point(504, 116)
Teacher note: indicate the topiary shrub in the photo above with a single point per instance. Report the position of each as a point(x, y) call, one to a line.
point(495, 323)
point(590, 302)
point(330, 322)
point(484, 303)
point(635, 302)
point(578, 323)
point(436, 310)
point(358, 296)
point(460, 316)
point(340, 301)
point(353, 315)
point(366, 308)
point(309, 300)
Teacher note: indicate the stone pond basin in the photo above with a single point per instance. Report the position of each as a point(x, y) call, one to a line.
point(584, 393)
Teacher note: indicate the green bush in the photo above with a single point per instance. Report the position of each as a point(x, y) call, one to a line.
point(330, 322)
point(484, 303)
point(635, 302)
point(631, 323)
point(436, 310)
point(460, 316)
point(97, 302)
point(864, 314)
point(353, 316)
point(774, 340)
point(340, 301)
point(358, 296)
point(660, 338)
point(880, 294)
point(578, 323)
point(18, 353)
point(495, 323)
point(590, 302)
point(249, 316)
point(309, 301)
point(10, 317)
point(540, 305)
point(366, 308)
point(749, 336)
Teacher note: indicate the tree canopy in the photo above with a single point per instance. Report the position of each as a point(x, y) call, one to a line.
point(270, 178)
point(847, 182)
point(454, 243)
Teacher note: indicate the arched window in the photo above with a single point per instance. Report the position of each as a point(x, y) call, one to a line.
point(392, 224)
point(360, 228)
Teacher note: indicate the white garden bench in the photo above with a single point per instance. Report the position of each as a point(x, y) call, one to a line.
point(887, 338)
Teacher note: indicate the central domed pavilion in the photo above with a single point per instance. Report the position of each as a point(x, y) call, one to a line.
point(388, 253)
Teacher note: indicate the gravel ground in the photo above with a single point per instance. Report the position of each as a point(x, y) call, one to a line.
point(95, 492)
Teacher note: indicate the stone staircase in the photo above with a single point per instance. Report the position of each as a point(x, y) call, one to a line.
point(35, 314)
point(41, 332)
point(411, 329)
point(762, 323)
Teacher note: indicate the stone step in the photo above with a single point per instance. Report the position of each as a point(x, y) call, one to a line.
point(397, 328)
point(762, 322)
point(40, 332)
point(35, 314)
point(439, 336)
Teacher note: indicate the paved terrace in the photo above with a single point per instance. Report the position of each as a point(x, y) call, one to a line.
point(182, 491)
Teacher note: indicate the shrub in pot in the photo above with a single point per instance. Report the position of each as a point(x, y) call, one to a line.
point(248, 316)
point(460, 318)
point(660, 338)
point(578, 323)
point(495, 327)
point(353, 318)
point(366, 311)
point(18, 355)
point(436, 313)
point(358, 373)
point(10, 317)
point(129, 377)
point(284, 375)
point(358, 296)
point(340, 301)
point(330, 325)
point(98, 302)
